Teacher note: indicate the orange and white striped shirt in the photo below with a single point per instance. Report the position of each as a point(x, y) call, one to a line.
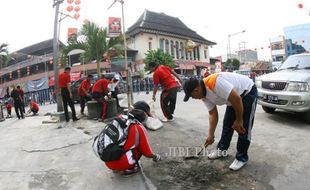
point(219, 86)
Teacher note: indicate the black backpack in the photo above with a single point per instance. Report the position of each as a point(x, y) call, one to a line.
point(109, 144)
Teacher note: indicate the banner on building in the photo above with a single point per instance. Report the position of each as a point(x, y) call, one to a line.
point(73, 75)
point(114, 28)
point(72, 34)
point(36, 85)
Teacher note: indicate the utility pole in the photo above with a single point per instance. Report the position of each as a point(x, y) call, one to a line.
point(128, 71)
point(55, 55)
point(228, 46)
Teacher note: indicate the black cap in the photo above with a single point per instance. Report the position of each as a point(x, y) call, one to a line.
point(142, 105)
point(137, 114)
point(188, 86)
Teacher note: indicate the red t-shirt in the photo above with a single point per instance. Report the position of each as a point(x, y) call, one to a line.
point(162, 75)
point(84, 85)
point(8, 106)
point(64, 79)
point(33, 105)
point(100, 86)
point(142, 147)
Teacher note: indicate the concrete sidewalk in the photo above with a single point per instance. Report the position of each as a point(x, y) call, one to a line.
point(43, 156)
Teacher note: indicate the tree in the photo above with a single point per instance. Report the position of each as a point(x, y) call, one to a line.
point(236, 64)
point(95, 42)
point(232, 64)
point(159, 57)
point(4, 57)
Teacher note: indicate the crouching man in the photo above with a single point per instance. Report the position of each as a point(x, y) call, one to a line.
point(124, 156)
point(34, 107)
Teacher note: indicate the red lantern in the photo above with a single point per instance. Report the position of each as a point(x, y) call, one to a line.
point(69, 8)
point(69, 1)
point(77, 2)
point(77, 9)
point(76, 16)
point(300, 6)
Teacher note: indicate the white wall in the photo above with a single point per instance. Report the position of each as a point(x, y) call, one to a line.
point(141, 43)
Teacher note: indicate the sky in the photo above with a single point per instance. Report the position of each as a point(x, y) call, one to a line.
point(26, 22)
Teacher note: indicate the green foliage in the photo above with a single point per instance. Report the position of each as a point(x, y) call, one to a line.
point(232, 64)
point(4, 57)
point(95, 42)
point(159, 57)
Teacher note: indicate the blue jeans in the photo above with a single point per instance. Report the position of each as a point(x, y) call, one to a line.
point(249, 106)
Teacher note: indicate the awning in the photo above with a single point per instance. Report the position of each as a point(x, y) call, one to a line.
point(185, 67)
point(191, 64)
point(74, 77)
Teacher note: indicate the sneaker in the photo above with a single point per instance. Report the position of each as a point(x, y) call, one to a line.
point(76, 119)
point(131, 171)
point(237, 165)
point(215, 154)
point(156, 158)
point(167, 120)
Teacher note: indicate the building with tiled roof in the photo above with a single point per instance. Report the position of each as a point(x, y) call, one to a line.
point(160, 31)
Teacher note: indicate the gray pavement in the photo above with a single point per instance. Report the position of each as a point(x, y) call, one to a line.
point(42, 156)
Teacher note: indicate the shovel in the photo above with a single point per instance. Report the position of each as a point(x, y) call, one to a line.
point(195, 156)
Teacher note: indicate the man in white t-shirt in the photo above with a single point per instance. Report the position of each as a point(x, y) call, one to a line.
point(239, 93)
point(113, 86)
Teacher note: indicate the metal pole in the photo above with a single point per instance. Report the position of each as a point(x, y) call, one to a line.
point(229, 51)
point(83, 64)
point(229, 35)
point(128, 78)
point(55, 56)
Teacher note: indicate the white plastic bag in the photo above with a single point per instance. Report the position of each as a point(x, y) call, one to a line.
point(153, 123)
point(152, 107)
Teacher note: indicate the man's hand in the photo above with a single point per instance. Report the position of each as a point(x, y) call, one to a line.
point(238, 126)
point(154, 98)
point(209, 140)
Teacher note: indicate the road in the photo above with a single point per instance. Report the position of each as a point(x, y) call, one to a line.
point(41, 156)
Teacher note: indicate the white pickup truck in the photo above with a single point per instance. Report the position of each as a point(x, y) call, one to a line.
point(288, 87)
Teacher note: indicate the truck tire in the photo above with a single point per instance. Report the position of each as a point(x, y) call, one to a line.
point(307, 117)
point(268, 109)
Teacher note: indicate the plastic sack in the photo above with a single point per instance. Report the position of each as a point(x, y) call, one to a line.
point(151, 103)
point(153, 123)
